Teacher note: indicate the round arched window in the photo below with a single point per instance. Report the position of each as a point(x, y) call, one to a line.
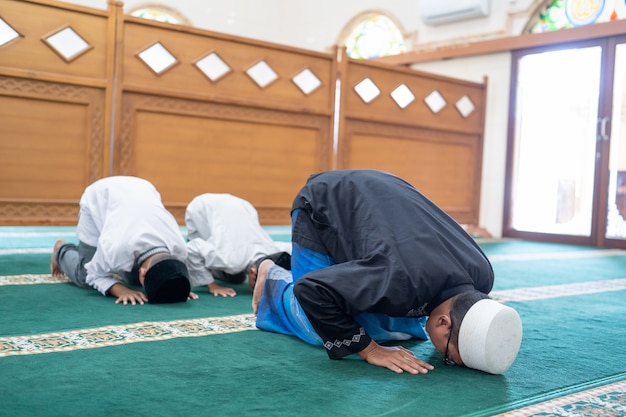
point(375, 36)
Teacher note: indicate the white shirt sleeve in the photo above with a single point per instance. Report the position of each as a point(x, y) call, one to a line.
point(99, 274)
point(200, 254)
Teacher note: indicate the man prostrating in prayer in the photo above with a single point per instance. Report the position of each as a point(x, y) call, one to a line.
point(373, 260)
point(126, 236)
point(226, 241)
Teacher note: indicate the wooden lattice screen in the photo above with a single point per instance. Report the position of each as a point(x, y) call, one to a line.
point(88, 93)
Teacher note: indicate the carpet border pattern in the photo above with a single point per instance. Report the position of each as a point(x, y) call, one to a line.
point(123, 334)
point(606, 400)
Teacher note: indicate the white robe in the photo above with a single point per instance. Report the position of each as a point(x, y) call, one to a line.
point(224, 234)
point(123, 217)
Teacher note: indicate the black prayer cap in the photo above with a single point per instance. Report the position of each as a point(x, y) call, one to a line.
point(167, 281)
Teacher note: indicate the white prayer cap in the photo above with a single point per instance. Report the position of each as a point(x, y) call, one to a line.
point(490, 337)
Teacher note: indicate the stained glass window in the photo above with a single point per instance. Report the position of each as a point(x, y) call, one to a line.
point(157, 14)
point(374, 37)
point(563, 14)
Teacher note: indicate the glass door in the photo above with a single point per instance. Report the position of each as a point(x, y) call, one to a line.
point(553, 159)
point(614, 133)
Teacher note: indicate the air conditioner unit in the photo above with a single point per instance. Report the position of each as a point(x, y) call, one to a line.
point(436, 12)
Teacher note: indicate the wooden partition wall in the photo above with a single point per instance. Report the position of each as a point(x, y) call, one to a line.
point(87, 94)
point(53, 120)
point(422, 127)
point(189, 132)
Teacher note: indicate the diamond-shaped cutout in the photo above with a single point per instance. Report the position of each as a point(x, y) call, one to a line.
point(67, 43)
point(7, 33)
point(158, 58)
point(402, 95)
point(262, 74)
point(307, 81)
point(465, 106)
point(213, 66)
point(435, 101)
point(367, 90)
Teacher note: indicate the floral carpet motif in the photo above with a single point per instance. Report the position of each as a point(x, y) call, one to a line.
point(124, 334)
point(606, 401)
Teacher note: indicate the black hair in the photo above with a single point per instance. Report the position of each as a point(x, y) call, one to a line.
point(461, 304)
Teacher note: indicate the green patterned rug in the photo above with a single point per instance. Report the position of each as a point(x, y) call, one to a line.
point(65, 351)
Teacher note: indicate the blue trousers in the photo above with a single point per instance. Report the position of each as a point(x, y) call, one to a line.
point(280, 312)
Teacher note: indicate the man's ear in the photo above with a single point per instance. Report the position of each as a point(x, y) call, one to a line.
point(142, 275)
point(443, 320)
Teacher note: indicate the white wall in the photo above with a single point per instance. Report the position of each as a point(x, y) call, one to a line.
point(317, 25)
point(314, 25)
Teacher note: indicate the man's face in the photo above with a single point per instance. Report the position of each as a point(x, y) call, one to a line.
point(438, 330)
point(143, 270)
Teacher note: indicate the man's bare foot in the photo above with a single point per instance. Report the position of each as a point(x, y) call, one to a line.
point(55, 270)
point(261, 276)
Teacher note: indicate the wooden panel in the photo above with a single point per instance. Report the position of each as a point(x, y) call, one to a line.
point(48, 151)
point(224, 135)
point(34, 22)
point(52, 123)
point(50, 147)
point(440, 165)
point(439, 152)
point(184, 78)
point(14, 211)
point(188, 148)
point(383, 108)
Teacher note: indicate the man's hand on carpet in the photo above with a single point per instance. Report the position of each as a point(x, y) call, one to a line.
point(126, 295)
point(395, 358)
point(216, 289)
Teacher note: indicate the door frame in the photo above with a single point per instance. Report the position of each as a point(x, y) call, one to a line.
point(600, 192)
point(606, 100)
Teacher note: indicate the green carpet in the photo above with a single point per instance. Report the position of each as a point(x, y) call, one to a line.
point(65, 351)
